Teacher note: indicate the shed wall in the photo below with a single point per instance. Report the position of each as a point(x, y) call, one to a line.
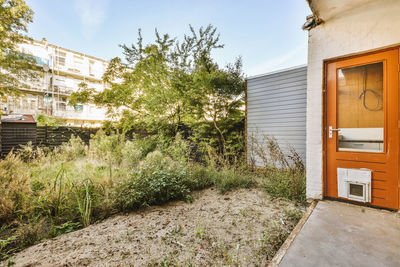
point(276, 107)
point(13, 135)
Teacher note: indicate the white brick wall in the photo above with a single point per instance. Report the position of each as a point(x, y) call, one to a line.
point(370, 27)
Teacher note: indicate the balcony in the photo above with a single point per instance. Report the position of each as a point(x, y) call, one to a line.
point(85, 114)
point(63, 90)
point(79, 72)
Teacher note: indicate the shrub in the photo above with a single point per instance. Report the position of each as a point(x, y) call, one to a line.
point(131, 154)
point(31, 153)
point(179, 149)
point(107, 147)
point(149, 186)
point(226, 179)
point(71, 150)
point(44, 120)
point(146, 144)
point(156, 160)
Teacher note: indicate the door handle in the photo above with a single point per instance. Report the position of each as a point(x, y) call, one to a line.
point(331, 130)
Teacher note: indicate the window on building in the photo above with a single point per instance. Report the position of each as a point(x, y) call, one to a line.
point(40, 102)
point(61, 103)
point(47, 101)
point(33, 103)
point(79, 108)
point(77, 64)
point(91, 67)
point(60, 58)
point(78, 61)
point(24, 103)
point(11, 104)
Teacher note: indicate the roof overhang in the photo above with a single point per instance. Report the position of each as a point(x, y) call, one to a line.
point(324, 10)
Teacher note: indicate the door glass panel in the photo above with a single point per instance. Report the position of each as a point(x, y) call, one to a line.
point(360, 117)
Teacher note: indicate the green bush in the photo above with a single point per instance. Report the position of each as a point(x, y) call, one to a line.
point(179, 149)
point(224, 180)
point(44, 120)
point(131, 154)
point(71, 150)
point(156, 160)
point(150, 186)
point(146, 144)
point(107, 147)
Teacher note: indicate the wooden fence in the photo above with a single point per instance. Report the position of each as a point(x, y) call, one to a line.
point(55, 136)
point(20, 134)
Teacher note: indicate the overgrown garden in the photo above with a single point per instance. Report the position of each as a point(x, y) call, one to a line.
point(188, 116)
point(45, 193)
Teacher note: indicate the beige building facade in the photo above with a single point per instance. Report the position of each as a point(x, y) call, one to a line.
point(63, 71)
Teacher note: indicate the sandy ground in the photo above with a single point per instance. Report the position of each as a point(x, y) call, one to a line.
point(215, 229)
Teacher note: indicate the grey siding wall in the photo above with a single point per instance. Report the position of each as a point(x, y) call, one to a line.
point(276, 107)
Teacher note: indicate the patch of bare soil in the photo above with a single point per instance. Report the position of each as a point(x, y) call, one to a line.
point(213, 230)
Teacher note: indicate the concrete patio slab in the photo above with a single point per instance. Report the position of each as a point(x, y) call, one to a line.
point(342, 234)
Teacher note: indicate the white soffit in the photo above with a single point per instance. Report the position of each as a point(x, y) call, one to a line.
point(327, 9)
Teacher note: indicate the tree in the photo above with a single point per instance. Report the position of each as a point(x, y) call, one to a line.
point(15, 67)
point(171, 83)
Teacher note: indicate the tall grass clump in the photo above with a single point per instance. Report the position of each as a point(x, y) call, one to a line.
point(14, 182)
point(224, 179)
point(284, 172)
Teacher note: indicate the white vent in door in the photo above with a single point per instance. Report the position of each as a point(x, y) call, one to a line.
point(354, 184)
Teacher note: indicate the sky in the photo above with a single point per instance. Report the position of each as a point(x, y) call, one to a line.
point(267, 34)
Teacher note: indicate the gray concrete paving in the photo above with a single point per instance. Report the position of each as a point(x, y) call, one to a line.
point(341, 234)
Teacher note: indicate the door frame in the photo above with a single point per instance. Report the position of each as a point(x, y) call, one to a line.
point(324, 118)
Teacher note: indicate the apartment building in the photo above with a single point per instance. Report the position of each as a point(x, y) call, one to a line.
point(63, 71)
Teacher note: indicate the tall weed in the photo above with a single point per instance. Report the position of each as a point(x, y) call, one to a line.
point(131, 154)
point(84, 200)
point(284, 175)
point(14, 181)
point(73, 149)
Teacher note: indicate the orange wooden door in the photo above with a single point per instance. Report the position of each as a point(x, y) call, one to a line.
point(362, 108)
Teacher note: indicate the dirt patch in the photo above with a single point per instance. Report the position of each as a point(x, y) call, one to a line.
point(213, 230)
